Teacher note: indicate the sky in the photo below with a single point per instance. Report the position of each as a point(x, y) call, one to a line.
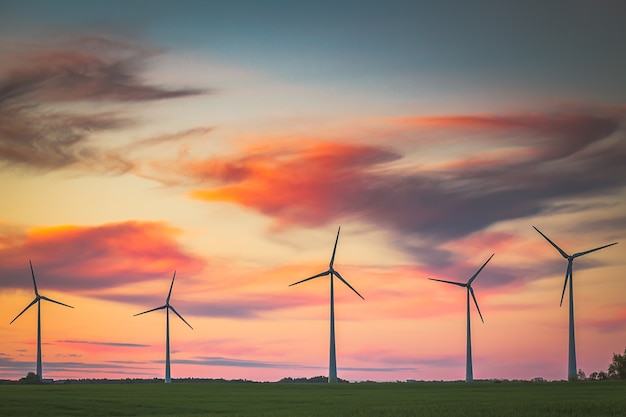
point(229, 140)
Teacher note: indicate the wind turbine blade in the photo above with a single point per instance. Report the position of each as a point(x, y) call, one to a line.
point(471, 290)
point(54, 301)
point(346, 282)
point(181, 317)
point(33, 274)
point(332, 258)
point(561, 251)
point(576, 255)
point(148, 311)
point(478, 272)
point(321, 274)
point(460, 284)
point(27, 307)
point(568, 274)
point(169, 294)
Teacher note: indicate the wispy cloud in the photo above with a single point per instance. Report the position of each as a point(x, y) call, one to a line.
point(607, 323)
point(12, 366)
point(240, 363)
point(243, 307)
point(168, 138)
point(373, 369)
point(408, 362)
point(31, 137)
point(572, 131)
point(293, 185)
point(113, 344)
point(84, 69)
point(525, 165)
point(78, 72)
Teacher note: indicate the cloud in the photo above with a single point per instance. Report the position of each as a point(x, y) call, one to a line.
point(84, 69)
point(92, 258)
point(246, 306)
point(606, 323)
point(384, 369)
point(395, 359)
point(36, 135)
point(113, 344)
point(31, 137)
point(168, 138)
point(20, 368)
point(306, 187)
point(522, 166)
point(239, 363)
point(107, 262)
point(243, 307)
point(573, 131)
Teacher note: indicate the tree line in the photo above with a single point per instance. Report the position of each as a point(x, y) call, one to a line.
point(617, 370)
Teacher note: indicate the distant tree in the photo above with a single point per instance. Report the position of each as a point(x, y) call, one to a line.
point(581, 375)
point(30, 379)
point(315, 379)
point(598, 376)
point(617, 368)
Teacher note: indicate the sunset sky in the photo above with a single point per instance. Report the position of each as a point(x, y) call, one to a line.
point(228, 140)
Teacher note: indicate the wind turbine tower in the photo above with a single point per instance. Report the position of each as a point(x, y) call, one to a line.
point(37, 300)
point(572, 370)
point(469, 372)
point(167, 306)
point(332, 366)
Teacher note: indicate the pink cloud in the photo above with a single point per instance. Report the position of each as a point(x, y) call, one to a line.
point(98, 257)
point(606, 322)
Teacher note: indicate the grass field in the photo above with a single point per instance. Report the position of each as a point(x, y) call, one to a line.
point(597, 398)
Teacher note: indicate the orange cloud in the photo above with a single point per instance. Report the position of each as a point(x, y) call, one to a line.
point(315, 178)
point(559, 122)
point(314, 184)
point(88, 258)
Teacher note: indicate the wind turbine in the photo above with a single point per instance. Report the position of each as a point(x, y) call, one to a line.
point(37, 300)
point(167, 307)
point(332, 367)
point(572, 373)
point(469, 372)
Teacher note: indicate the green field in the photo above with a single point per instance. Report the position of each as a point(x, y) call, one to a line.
point(595, 398)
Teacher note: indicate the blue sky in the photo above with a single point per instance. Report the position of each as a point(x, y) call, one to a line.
point(553, 48)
